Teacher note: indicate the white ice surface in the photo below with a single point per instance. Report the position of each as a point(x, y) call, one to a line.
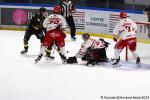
point(21, 79)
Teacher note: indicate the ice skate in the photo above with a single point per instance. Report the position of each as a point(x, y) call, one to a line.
point(64, 61)
point(138, 62)
point(116, 63)
point(24, 51)
point(38, 58)
point(49, 58)
point(90, 63)
point(73, 38)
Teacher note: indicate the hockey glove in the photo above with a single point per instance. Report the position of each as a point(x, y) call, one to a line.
point(114, 39)
point(105, 43)
point(101, 39)
point(72, 60)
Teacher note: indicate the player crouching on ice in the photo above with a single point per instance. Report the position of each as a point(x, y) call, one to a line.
point(92, 50)
point(55, 34)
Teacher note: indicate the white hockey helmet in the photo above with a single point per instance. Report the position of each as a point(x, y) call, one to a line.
point(85, 36)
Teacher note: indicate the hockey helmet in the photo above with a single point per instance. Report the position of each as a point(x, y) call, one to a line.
point(147, 9)
point(57, 9)
point(123, 15)
point(85, 36)
point(42, 9)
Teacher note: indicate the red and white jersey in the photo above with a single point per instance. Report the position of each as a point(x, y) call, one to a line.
point(92, 43)
point(125, 28)
point(54, 21)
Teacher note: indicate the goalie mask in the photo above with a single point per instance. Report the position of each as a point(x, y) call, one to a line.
point(85, 36)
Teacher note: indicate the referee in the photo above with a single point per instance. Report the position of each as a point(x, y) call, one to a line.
point(67, 9)
point(147, 12)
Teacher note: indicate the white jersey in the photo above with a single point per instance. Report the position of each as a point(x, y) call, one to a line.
point(125, 28)
point(92, 43)
point(54, 21)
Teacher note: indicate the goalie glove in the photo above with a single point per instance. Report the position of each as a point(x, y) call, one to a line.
point(105, 43)
point(72, 60)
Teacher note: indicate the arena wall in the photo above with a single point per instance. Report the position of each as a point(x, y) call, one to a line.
point(97, 22)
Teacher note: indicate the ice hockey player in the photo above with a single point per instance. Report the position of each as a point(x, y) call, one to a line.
point(67, 9)
point(92, 50)
point(56, 33)
point(127, 30)
point(35, 27)
point(147, 12)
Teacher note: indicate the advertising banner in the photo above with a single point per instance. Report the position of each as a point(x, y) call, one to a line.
point(17, 16)
point(103, 22)
point(79, 19)
point(96, 22)
point(86, 20)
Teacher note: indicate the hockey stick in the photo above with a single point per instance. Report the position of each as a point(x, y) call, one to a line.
point(58, 50)
point(53, 48)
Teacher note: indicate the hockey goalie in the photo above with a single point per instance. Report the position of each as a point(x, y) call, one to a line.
point(92, 50)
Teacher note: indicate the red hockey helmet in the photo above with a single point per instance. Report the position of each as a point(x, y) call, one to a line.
point(85, 36)
point(57, 9)
point(123, 15)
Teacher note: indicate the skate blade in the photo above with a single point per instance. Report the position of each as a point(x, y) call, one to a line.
point(115, 66)
point(139, 65)
point(91, 64)
point(49, 59)
point(73, 39)
point(64, 62)
point(24, 53)
point(35, 62)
